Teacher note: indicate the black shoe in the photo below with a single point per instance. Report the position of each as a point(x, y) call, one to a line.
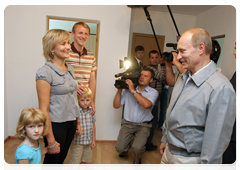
point(121, 155)
point(140, 162)
point(138, 166)
point(151, 147)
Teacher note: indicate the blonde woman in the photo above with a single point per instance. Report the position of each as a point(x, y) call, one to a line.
point(57, 95)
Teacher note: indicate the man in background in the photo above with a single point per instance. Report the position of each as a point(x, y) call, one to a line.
point(83, 60)
point(136, 61)
point(157, 84)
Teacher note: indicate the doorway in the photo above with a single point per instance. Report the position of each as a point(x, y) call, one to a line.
point(220, 39)
point(149, 43)
point(67, 24)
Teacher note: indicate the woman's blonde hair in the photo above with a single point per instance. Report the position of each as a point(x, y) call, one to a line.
point(50, 39)
point(28, 116)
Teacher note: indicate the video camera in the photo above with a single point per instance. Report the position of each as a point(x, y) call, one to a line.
point(168, 56)
point(132, 75)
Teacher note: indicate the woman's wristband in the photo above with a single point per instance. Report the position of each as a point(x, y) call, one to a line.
point(52, 145)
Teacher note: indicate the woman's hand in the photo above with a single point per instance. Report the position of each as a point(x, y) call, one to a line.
point(55, 149)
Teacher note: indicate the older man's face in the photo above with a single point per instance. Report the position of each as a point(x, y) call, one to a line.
point(188, 55)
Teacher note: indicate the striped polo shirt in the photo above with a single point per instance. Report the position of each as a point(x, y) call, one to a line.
point(84, 63)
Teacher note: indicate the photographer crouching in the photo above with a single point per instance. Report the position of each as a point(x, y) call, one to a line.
point(136, 122)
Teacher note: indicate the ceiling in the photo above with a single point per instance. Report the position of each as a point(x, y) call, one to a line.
point(183, 9)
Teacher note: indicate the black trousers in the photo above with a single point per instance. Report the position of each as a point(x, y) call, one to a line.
point(229, 155)
point(63, 133)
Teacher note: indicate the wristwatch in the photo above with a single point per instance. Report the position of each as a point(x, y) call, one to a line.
point(134, 92)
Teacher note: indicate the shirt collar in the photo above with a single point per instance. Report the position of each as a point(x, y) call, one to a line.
point(76, 51)
point(146, 89)
point(201, 75)
point(137, 60)
point(57, 70)
point(83, 111)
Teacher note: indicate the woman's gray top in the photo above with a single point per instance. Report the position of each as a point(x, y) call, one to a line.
point(63, 95)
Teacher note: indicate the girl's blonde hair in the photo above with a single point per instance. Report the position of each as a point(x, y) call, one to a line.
point(51, 38)
point(28, 116)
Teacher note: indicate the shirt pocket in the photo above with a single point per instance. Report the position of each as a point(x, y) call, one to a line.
point(193, 138)
point(58, 80)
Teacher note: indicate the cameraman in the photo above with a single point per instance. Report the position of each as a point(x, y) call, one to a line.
point(136, 123)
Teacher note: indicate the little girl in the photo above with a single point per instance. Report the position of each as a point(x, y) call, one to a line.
point(32, 124)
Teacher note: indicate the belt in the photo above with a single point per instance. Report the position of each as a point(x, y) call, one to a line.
point(148, 122)
point(183, 152)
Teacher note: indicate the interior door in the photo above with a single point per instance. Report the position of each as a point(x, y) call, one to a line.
point(149, 43)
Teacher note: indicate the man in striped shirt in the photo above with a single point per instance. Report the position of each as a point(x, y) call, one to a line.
point(157, 84)
point(83, 60)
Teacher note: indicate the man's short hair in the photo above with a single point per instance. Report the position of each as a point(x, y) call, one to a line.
point(200, 35)
point(139, 48)
point(148, 69)
point(82, 24)
point(153, 52)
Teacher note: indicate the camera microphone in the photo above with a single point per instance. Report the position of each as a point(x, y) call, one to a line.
point(118, 75)
point(171, 44)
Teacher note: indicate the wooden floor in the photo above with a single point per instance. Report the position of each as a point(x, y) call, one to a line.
point(104, 153)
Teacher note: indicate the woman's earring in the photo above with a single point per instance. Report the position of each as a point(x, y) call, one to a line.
point(52, 53)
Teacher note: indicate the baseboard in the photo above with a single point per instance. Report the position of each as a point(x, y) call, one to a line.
point(97, 141)
point(106, 141)
point(5, 140)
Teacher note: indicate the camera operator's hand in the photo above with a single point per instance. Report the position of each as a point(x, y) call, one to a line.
point(130, 85)
point(175, 60)
point(177, 63)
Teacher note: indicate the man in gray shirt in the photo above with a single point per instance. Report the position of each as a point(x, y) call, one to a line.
point(202, 109)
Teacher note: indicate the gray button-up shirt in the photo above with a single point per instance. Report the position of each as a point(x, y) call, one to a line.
point(201, 114)
point(63, 96)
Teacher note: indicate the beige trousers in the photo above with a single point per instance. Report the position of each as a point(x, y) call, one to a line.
point(169, 158)
point(138, 132)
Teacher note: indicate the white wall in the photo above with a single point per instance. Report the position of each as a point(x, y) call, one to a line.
point(162, 23)
point(24, 28)
point(218, 21)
